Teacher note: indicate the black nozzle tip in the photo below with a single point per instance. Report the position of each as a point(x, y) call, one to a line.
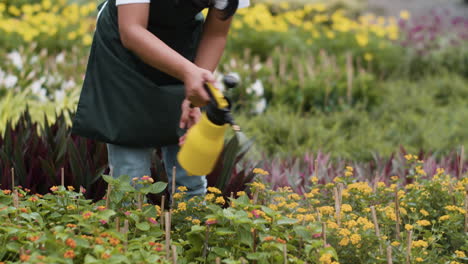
point(231, 80)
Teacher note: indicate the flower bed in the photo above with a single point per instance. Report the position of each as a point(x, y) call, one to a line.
point(342, 222)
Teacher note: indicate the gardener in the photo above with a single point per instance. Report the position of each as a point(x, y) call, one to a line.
point(148, 63)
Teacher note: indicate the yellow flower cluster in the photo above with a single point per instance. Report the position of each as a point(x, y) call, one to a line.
point(49, 19)
point(318, 21)
point(362, 187)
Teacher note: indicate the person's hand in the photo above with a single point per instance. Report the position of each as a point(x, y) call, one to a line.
point(194, 81)
point(189, 117)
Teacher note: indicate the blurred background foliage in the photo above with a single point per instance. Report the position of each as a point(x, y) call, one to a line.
point(316, 75)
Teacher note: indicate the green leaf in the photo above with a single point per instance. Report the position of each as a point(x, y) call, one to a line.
point(108, 179)
point(287, 221)
point(143, 226)
point(154, 188)
point(302, 232)
point(90, 259)
point(329, 250)
point(245, 237)
point(106, 214)
point(224, 231)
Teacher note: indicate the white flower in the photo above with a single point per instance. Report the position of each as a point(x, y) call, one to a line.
point(16, 59)
point(42, 95)
point(257, 87)
point(260, 106)
point(10, 81)
point(68, 85)
point(60, 58)
point(59, 95)
point(36, 86)
point(33, 59)
point(257, 67)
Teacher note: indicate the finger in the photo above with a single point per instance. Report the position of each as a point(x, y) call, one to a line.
point(183, 119)
point(182, 139)
point(208, 77)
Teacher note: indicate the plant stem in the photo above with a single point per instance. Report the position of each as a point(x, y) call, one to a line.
point(168, 234)
point(174, 254)
point(285, 254)
point(173, 184)
point(62, 177)
point(324, 233)
point(397, 213)
point(389, 255)
point(408, 249)
point(377, 230)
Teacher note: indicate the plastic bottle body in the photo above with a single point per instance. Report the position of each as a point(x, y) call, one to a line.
point(202, 147)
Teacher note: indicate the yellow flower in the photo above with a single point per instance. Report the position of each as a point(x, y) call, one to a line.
point(444, 217)
point(182, 206)
point(241, 193)
point(362, 39)
point(314, 179)
point(260, 171)
point(196, 221)
point(346, 208)
point(182, 189)
point(326, 258)
point(423, 222)
point(408, 227)
point(213, 190)
point(460, 254)
point(355, 239)
point(332, 225)
point(368, 56)
point(344, 241)
point(344, 232)
point(395, 243)
point(258, 185)
point(404, 14)
point(420, 243)
point(326, 210)
point(209, 197)
point(419, 259)
point(294, 196)
point(424, 212)
point(178, 196)
point(220, 200)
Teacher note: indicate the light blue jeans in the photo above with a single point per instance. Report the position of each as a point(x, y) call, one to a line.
point(136, 162)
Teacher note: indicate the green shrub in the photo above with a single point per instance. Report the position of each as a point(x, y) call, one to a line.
point(428, 114)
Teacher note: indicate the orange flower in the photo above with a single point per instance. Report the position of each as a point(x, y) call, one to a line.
point(24, 210)
point(268, 238)
point(24, 258)
point(71, 225)
point(87, 214)
point(114, 241)
point(54, 188)
point(6, 192)
point(281, 240)
point(70, 242)
point(104, 235)
point(33, 238)
point(99, 241)
point(105, 255)
point(69, 254)
point(33, 199)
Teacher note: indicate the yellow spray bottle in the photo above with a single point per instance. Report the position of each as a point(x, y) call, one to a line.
point(205, 140)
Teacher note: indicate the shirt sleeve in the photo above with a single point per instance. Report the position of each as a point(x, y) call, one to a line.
point(221, 4)
point(124, 2)
point(243, 3)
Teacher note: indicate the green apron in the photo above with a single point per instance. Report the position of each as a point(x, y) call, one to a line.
point(124, 101)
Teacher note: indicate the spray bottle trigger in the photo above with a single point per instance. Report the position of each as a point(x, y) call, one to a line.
point(216, 96)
